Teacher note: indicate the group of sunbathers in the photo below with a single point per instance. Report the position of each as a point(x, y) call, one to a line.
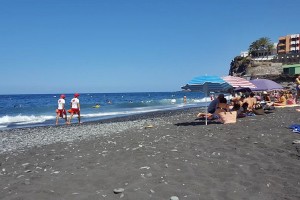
point(248, 103)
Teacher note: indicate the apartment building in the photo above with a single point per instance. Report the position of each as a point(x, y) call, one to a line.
point(288, 44)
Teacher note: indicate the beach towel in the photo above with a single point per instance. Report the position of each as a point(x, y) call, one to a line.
point(267, 107)
point(287, 106)
point(295, 128)
point(250, 114)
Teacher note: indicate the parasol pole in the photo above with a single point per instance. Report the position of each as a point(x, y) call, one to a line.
point(206, 94)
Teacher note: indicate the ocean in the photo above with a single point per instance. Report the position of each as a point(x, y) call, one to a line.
point(30, 110)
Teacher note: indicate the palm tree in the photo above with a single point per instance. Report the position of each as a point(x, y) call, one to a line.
point(263, 45)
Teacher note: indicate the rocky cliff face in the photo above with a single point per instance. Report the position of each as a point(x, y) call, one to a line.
point(239, 66)
point(245, 66)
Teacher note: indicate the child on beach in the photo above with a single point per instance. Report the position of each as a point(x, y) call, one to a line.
point(75, 108)
point(61, 111)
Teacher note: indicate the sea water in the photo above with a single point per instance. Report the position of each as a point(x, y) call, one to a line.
point(29, 110)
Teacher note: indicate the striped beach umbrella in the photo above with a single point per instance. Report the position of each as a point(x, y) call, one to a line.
point(207, 84)
point(238, 82)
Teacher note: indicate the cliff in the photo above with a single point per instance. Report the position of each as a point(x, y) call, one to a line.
point(245, 66)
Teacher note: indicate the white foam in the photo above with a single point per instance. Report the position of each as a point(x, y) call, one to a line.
point(2, 126)
point(24, 119)
point(104, 114)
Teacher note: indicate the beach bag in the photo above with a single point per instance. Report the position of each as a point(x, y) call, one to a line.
point(258, 109)
point(228, 117)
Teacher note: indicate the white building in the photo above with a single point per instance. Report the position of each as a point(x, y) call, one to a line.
point(244, 54)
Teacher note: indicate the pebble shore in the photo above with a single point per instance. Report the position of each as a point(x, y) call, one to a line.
point(161, 156)
point(23, 138)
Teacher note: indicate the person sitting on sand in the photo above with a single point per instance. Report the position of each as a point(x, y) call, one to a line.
point(266, 101)
point(249, 102)
point(266, 97)
point(222, 106)
point(211, 109)
point(235, 104)
point(239, 105)
point(290, 98)
point(281, 100)
point(213, 104)
point(257, 97)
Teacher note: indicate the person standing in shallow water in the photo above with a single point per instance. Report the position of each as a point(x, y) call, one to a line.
point(61, 111)
point(75, 108)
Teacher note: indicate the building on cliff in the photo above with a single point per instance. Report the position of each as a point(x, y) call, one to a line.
point(262, 55)
point(281, 62)
point(288, 49)
point(288, 44)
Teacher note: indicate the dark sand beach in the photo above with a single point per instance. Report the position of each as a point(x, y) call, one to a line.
point(156, 156)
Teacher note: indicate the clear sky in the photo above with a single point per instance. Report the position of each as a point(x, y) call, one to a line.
point(66, 46)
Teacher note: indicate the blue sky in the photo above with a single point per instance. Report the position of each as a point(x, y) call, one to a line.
point(66, 46)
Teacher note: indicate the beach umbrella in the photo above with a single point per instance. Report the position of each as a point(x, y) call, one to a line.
point(238, 82)
point(207, 84)
point(265, 85)
point(242, 89)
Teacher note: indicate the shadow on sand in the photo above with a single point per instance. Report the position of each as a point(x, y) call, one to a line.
point(197, 123)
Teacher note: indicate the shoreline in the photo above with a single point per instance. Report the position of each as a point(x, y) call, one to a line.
point(176, 156)
point(38, 134)
point(112, 118)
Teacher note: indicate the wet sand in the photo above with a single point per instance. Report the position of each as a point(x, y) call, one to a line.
point(154, 156)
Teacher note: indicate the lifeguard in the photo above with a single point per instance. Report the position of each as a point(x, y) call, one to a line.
point(61, 111)
point(75, 108)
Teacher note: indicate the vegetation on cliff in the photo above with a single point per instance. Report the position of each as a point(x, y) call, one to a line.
point(263, 46)
point(239, 65)
point(248, 66)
